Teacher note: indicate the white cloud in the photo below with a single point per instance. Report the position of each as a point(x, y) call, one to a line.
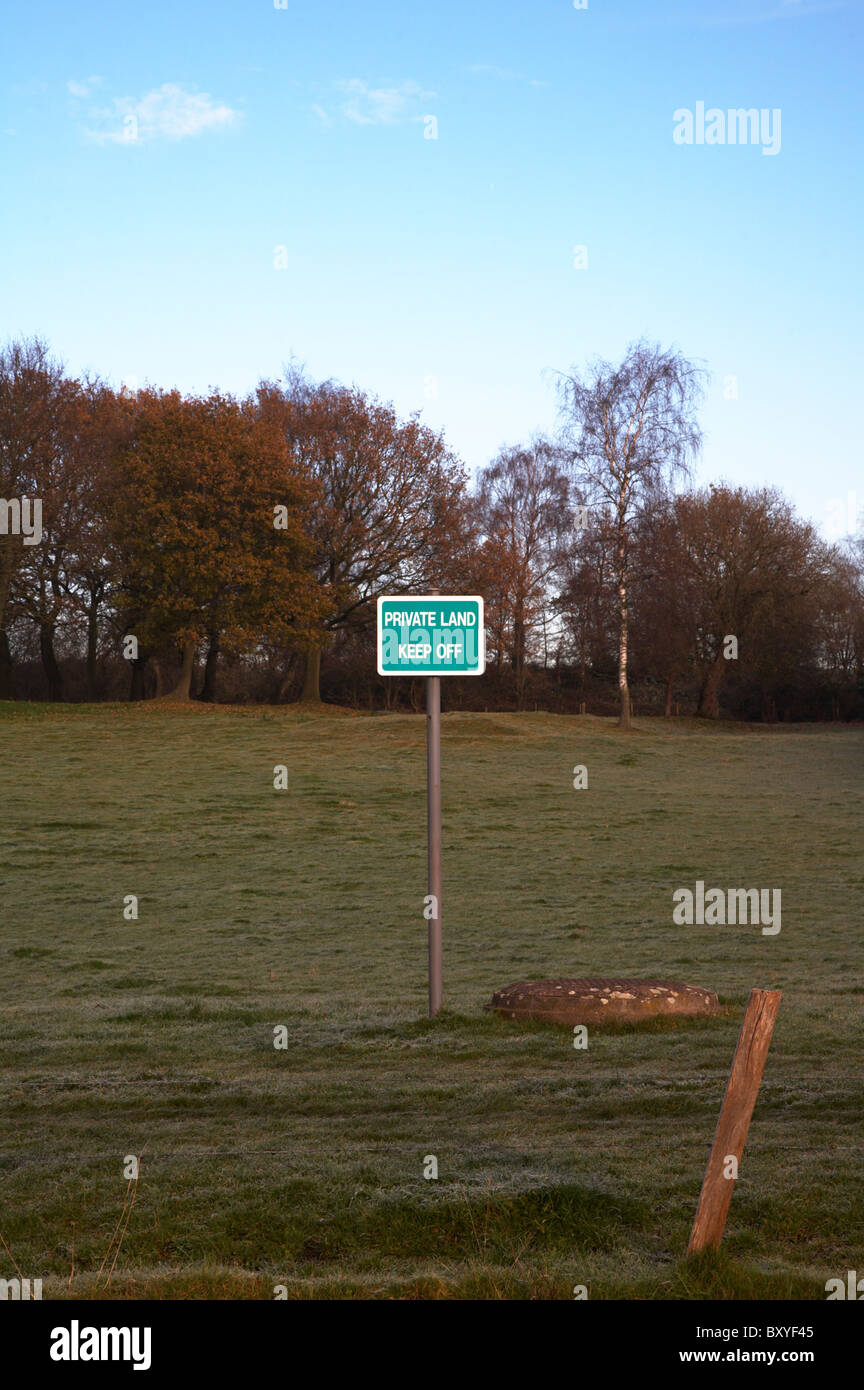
point(367, 105)
point(168, 113)
point(82, 89)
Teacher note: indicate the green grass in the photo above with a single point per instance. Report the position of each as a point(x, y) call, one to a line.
point(303, 1167)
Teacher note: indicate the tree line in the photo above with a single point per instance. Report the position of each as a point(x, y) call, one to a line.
point(233, 548)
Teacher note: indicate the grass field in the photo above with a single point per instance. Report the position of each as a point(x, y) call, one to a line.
point(303, 1166)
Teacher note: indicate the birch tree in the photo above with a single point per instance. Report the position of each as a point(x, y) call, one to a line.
point(628, 431)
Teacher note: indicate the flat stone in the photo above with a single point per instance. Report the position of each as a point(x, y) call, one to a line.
point(603, 1001)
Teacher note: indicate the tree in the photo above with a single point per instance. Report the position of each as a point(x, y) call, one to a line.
point(383, 502)
point(585, 604)
point(90, 578)
point(525, 518)
point(32, 385)
point(663, 604)
point(751, 560)
point(207, 530)
point(840, 639)
point(628, 431)
point(61, 584)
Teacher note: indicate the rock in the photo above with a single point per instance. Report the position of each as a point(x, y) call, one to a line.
point(603, 1001)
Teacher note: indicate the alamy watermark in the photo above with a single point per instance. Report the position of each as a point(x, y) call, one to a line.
point(77, 1343)
point(849, 1288)
point(22, 516)
point(737, 126)
point(719, 907)
point(20, 1289)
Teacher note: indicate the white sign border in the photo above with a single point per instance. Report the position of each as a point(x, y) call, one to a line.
point(437, 598)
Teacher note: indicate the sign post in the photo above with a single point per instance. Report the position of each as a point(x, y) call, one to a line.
point(433, 839)
point(433, 636)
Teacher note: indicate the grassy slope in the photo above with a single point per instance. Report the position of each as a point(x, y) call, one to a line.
point(304, 1166)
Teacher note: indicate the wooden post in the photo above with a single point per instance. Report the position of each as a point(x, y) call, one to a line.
point(735, 1112)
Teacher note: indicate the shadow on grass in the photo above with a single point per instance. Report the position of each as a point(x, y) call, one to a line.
point(706, 1278)
point(492, 1024)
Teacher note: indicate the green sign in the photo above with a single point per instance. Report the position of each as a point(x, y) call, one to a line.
point(434, 635)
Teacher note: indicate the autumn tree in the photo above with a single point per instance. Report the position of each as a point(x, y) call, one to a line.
point(629, 430)
point(663, 597)
point(89, 575)
point(751, 560)
point(383, 504)
point(207, 531)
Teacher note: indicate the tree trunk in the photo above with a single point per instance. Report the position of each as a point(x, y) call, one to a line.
point(623, 636)
point(312, 678)
point(284, 679)
point(519, 656)
point(709, 702)
point(8, 560)
point(668, 710)
point(92, 647)
point(208, 689)
point(7, 674)
point(136, 685)
point(49, 662)
point(183, 688)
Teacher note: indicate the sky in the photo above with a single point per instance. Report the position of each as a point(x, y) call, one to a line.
point(450, 204)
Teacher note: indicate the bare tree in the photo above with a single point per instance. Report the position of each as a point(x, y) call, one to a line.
point(585, 604)
point(525, 517)
point(31, 384)
point(629, 430)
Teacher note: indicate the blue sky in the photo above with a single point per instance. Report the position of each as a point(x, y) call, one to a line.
point(195, 192)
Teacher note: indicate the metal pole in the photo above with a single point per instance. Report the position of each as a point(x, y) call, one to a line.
point(433, 794)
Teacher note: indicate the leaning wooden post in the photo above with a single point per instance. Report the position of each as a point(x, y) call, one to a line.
point(735, 1112)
